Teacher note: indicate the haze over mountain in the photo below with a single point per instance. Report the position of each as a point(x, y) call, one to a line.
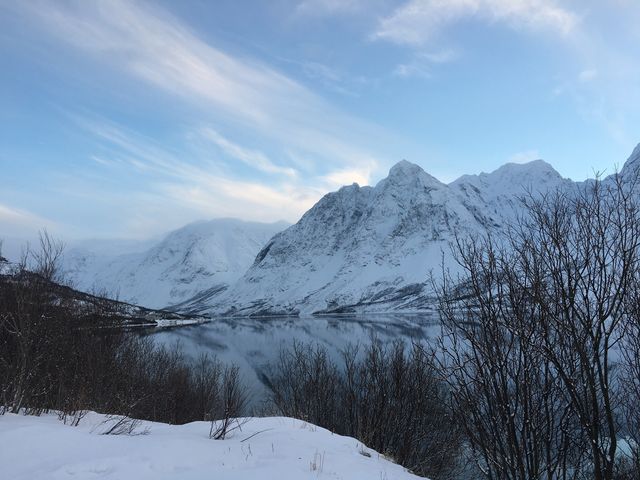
point(201, 256)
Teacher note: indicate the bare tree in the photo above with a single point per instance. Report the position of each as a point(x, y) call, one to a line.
point(67, 351)
point(587, 248)
point(29, 323)
point(630, 385)
point(504, 392)
point(532, 325)
point(46, 259)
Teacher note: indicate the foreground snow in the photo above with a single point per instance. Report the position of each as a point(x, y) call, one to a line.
point(279, 448)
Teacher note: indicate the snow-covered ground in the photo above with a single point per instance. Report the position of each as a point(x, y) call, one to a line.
point(266, 448)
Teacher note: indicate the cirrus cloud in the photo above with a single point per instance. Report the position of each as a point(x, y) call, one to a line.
point(420, 21)
point(154, 46)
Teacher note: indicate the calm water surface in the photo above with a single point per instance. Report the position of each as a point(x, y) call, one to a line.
point(254, 344)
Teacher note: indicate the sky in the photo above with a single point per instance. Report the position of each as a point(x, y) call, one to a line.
point(126, 119)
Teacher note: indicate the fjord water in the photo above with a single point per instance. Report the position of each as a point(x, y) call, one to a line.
point(255, 343)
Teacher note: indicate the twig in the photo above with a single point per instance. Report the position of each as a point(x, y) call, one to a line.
point(251, 436)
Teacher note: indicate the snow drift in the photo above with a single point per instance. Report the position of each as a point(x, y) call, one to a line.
point(282, 448)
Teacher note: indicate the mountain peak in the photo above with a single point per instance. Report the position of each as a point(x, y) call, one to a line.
point(517, 173)
point(534, 167)
point(530, 165)
point(405, 173)
point(404, 167)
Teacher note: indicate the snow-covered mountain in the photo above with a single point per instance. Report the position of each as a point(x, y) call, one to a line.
point(631, 169)
point(360, 249)
point(495, 197)
point(201, 259)
point(372, 248)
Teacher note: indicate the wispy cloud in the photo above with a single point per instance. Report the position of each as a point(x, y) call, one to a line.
point(418, 22)
point(187, 184)
point(603, 85)
point(331, 7)
point(346, 177)
point(332, 78)
point(598, 43)
point(252, 158)
point(587, 75)
point(524, 157)
point(422, 63)
point(153, 46)
point(19, 222)
point(301, 144)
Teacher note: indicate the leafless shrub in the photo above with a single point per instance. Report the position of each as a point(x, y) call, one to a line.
point(58, 353)
point(389, 398)
point(71, 417)
point(233, 402)
point(305, 384)
point(46, 259)
point(30, 327)
point(121, 425)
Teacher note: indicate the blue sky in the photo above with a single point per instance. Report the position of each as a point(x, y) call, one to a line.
point(130, 118)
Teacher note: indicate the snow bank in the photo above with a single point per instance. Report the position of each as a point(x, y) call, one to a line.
point(266, 448)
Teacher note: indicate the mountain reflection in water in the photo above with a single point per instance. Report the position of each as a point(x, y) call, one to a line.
point(255, 343)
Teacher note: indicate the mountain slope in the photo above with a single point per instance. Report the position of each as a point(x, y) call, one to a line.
point(372, 248)
point(631, 168)
point(68, 302)
point(196, 258)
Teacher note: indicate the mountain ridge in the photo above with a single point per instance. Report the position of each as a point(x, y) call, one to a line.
point(358, 249)
point(367, 249)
